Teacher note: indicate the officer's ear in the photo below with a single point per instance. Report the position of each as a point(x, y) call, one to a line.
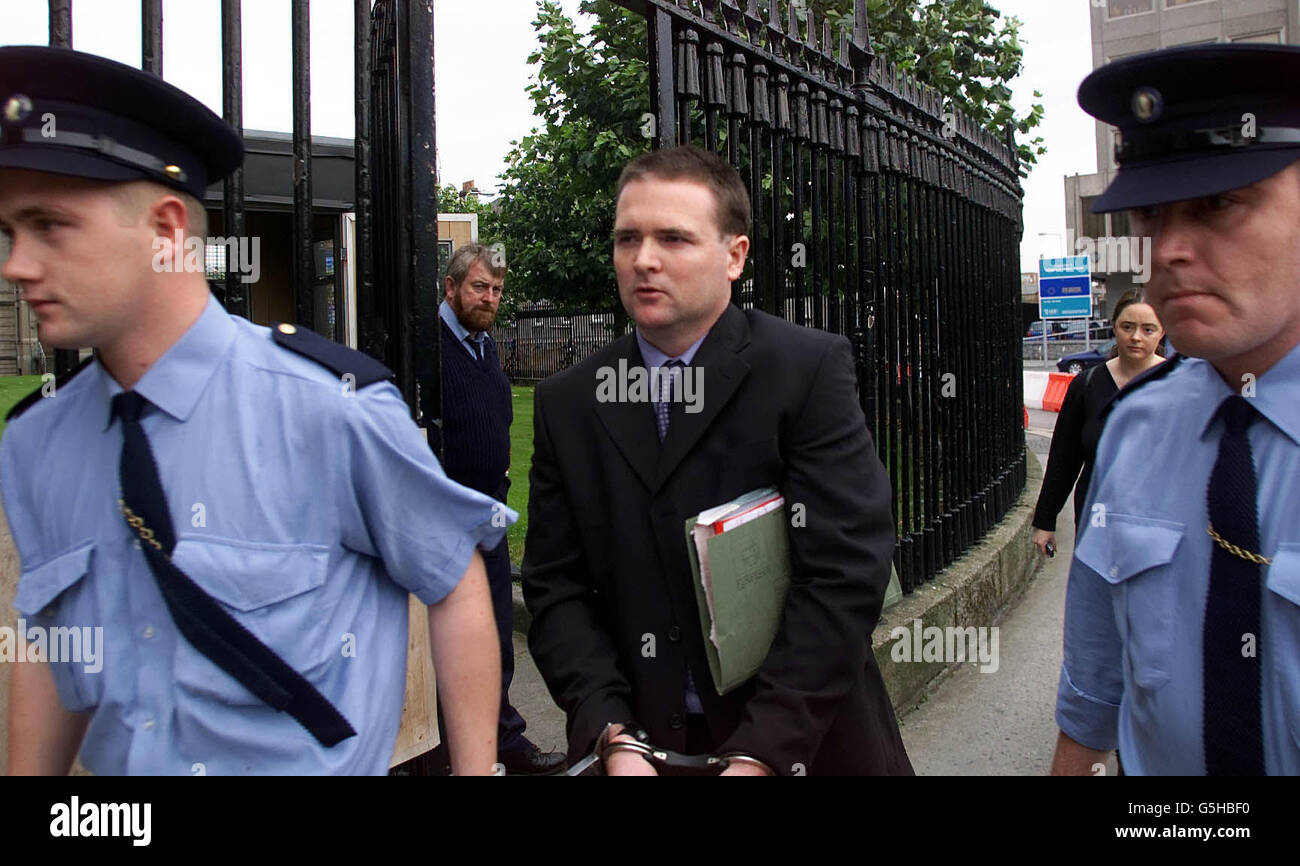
point(167, 216)
point(165, 210)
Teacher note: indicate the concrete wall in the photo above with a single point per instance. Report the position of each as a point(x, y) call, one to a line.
point(1184, 23)
point(975, 591)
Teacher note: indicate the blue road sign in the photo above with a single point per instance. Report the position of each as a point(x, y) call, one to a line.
point(1069, 266)
point(1065, 288)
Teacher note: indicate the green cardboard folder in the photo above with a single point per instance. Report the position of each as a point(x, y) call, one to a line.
point(742, 592)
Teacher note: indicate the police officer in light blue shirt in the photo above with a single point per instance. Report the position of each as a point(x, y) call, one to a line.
point(1182, 631)
point(240, 512)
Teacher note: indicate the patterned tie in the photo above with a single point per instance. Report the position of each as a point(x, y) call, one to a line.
point(201, 619)
point(669, 373)
point(1234, 743)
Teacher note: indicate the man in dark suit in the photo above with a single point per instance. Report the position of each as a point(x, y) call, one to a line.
point(615, 629)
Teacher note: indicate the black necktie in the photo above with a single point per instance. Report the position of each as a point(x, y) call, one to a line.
point(1234, 742)
point(475, 348)
point(200, 618)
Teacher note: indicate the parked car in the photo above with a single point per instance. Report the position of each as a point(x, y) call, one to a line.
point(1080, 361)
point(1057, 332)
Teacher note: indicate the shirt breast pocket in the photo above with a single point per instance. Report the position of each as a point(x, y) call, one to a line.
point(41, 597)
point(39, 587)
point(1132, 554)
point(273, 591)
point(1283, 580)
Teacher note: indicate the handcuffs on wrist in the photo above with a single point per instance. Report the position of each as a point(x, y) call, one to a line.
point(661, 759)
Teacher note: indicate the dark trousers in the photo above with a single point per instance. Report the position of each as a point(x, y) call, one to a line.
point(510, 725)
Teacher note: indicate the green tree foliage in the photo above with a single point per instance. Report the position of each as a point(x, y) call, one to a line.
point(592, 96)
point(965, 49)
point(557, 210)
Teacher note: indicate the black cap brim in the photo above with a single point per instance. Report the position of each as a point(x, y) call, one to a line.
point(1163, 182)
point(69, 164)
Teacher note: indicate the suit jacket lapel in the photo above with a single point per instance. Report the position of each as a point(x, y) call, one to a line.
point(630, 424)
point(724, 370)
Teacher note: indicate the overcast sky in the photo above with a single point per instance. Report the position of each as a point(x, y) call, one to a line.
point(481, 56)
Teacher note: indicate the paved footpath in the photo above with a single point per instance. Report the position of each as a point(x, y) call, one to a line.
point(968, 723)
point(1001, 723)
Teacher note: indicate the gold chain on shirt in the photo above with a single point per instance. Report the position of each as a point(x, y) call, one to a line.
point(1249, 556)
point(137, 522)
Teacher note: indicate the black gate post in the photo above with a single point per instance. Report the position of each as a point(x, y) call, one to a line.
point(304, 262)
point(151, 36)
point(236, 299)
point(61, 37)
point(416, 47)
point(662, 99)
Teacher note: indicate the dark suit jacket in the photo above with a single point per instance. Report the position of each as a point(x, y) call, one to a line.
point(605, 565)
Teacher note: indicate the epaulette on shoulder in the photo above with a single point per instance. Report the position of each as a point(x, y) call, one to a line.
point(333, 356)
point(37, 393)
point(1145, 378)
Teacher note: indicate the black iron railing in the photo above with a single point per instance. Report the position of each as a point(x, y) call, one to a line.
point(540, 341)
point(878, 215)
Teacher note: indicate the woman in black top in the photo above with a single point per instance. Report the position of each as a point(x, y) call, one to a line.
point(1078, 427)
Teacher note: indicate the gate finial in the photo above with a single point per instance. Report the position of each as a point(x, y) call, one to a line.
point(862, 53)
point(793, 44)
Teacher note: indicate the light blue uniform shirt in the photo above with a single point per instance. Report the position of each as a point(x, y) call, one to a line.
point(478, 338)
point(308, 509)
point(1135, 609)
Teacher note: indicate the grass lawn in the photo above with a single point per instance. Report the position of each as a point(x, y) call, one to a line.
point(521, 460)
point(15, 388)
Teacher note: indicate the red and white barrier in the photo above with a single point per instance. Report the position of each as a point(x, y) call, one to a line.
point(1046, 390)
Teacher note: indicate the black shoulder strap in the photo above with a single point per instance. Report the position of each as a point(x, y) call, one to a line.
point(1154, 374)
point(333, 356)
point(37, 393)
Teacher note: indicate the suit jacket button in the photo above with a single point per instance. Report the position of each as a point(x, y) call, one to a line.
point(674, 634)
point(676, 722)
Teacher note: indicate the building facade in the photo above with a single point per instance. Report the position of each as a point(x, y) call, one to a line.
point(1121, 28)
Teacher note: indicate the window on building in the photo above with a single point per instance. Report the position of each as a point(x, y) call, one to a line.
point(1119, 225)
point(444, 256)
point(214, 261)
point(1093, 225)
point(1121, 8)
point(1271, 38)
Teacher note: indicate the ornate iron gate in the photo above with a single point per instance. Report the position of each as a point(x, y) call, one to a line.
point(877, 215)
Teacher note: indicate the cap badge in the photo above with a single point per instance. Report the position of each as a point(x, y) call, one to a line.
point(17, 107)
point(1148, 104)
point(286, 328)
point(174, 172)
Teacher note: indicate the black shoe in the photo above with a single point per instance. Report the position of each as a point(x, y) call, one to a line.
point(528, 760)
